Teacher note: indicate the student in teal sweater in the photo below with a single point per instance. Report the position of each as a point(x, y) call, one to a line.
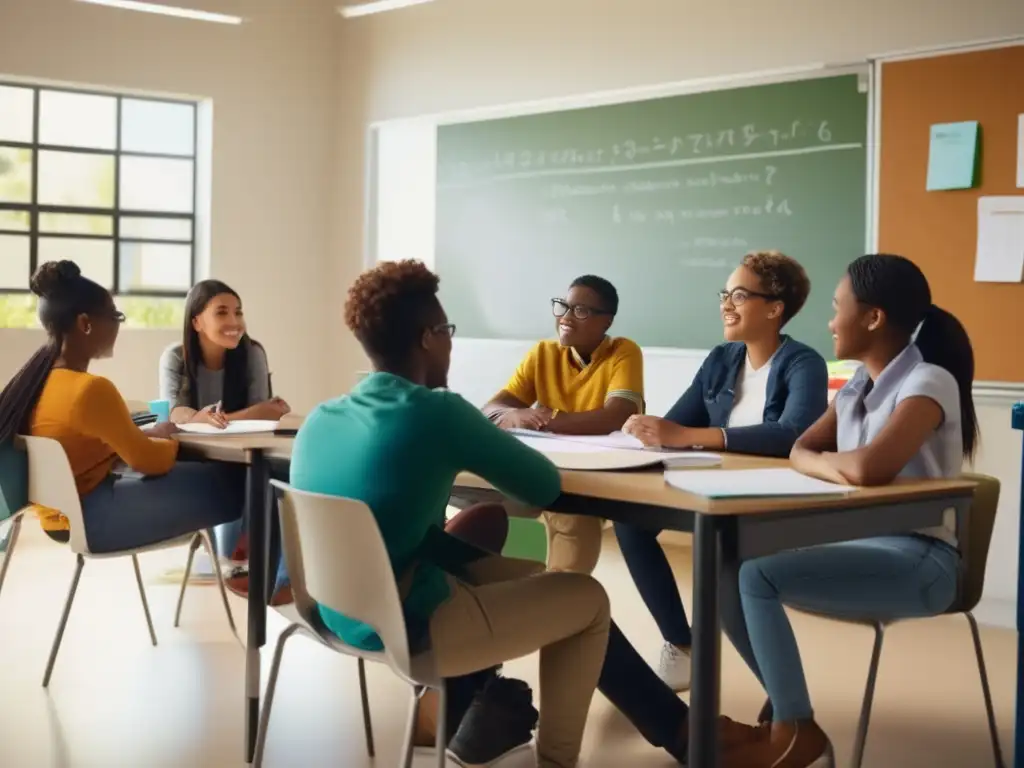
point(396, 443)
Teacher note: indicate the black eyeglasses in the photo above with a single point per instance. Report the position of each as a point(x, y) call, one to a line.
point(445, 329)
point(739, 296)
point(560, 308)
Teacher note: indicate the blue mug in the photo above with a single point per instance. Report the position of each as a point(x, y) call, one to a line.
point(162, 409)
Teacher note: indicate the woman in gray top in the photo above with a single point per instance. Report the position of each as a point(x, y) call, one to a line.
point(217, 375)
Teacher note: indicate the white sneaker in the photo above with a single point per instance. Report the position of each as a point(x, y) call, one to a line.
point(674, 668)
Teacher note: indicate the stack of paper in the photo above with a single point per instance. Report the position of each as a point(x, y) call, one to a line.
point(752, 483)
point(607, 452)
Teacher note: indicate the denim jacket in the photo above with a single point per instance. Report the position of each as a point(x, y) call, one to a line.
point(796, 396)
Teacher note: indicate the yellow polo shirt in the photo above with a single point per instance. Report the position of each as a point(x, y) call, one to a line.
point(557, 378)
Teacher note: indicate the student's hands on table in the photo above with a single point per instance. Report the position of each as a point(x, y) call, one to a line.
point(211, 415)
point(270, 410)
point(163, 430)
point(655, 432)
point(525, 418)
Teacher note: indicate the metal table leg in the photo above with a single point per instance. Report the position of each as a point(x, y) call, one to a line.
point(704, 695)
point(259, 542)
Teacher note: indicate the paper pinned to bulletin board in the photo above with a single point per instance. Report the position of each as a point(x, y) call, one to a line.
point(953, 156)
point(1020, 151)
point(1000, 254)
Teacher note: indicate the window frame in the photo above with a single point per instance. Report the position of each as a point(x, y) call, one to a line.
point(34, 208)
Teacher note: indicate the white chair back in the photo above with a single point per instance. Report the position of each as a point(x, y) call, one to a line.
point(336, 558)
point(51, 484)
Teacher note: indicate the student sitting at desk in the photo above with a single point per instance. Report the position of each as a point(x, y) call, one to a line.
point(754, 394)
point(907, 412)
point(586, 383)
point(218, 374)
point(55, 396)
point(397, 443)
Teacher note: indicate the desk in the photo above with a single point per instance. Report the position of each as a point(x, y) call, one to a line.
point(724, 530)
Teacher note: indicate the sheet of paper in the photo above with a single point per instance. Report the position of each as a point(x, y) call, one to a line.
point(691, 459)
point(251, 427)
point(952, 155)
point(1020, 151)
point(742, 483)
point(1000, 253)
point(617, 440)
point(547, 445)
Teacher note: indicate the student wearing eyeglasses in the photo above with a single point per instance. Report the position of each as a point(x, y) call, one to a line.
point(585, 383)
point(754, 394)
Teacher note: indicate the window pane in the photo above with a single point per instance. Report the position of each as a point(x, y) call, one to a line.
point(14, 261)
point(156, 184)
point(94, 257)
point(156, 126)
point(155, 267)
point(152, 312)
point(16, 220)
point(155, 229)
point(15, 114)
point(77, 120)
point(76, 224)
point(15, 175)
point(72, 178)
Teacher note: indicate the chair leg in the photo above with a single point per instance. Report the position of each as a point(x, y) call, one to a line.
point(145, 603)
point(268, 700)
point(192, 547)
point(441, 739)
point(211, 550)
point(869, 697)
point(986, 691)
point(364, 695)
point(79, 565)
point(11, 541)
point(410, 728)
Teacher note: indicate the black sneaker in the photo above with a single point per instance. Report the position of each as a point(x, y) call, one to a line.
point(500, 721)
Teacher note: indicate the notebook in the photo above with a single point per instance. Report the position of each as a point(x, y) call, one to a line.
point(752, 483)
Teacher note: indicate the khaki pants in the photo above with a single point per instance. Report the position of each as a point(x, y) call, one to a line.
point(509, 611)
point(574, 541)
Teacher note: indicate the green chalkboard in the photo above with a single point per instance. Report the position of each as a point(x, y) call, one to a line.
point(662, 197)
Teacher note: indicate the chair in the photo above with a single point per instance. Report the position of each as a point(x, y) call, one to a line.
point(975, 537)
point(12, 540)
point(336, 557)
point(51, 484)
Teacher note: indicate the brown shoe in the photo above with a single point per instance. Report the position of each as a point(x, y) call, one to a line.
point(798, 744)
point(732, 734)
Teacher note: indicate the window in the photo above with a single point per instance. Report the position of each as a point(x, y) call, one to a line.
point(105, 180)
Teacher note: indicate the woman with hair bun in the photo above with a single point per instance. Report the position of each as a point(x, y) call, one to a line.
point(55, 396)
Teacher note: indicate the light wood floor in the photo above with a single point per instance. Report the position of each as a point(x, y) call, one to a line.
point(116, 701)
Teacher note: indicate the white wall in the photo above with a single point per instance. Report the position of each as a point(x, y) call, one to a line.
point(272, 82)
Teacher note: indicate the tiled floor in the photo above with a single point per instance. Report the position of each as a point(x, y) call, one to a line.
point(115, 701)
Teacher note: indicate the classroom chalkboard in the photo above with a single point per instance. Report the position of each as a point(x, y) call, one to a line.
point(662, 197)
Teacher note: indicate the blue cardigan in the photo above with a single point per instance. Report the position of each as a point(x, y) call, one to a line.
point(796, 396)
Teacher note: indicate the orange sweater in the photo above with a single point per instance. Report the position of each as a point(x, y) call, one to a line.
point(89, 418)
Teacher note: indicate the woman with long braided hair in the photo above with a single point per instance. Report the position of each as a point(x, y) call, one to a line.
point(55, 396)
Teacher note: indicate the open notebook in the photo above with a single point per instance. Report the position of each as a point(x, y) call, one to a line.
point(610, 452)
point(753, 483)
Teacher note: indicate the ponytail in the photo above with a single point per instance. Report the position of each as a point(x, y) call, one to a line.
point(943, 341)
point(19, 397)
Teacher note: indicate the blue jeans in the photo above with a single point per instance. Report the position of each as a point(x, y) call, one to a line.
point(227, 535)
point(890, 577)
point(128, 510)
point(655, 581)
